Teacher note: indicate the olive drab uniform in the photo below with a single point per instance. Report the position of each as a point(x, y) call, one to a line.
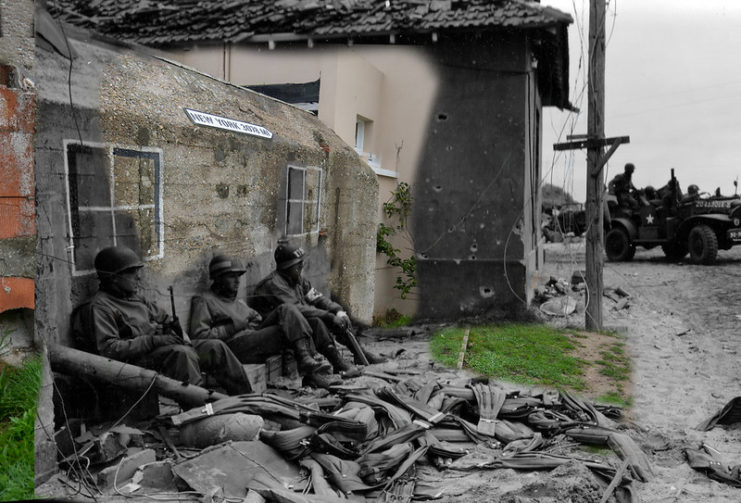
point(213, 316)
point(126, 329)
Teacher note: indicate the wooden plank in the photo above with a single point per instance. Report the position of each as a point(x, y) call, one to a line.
point(462, 354)
point(593, 143)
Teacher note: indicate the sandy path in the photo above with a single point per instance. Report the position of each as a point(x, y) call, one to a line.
point(684, 335)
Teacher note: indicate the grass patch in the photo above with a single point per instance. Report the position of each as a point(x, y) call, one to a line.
point(392, 319)
point(593, 364)
point(19, 390)
point(521, 353)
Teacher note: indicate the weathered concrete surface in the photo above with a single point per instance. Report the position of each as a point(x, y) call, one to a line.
point(202, 188)
point(479, 171)
point(16, 26)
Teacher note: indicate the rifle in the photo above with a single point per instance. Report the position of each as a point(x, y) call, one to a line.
point(356, 347)
point(175, 323)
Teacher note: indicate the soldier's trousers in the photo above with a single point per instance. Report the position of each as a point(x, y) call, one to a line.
point(185, 363)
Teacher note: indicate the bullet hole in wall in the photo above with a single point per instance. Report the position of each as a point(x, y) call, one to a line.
point(486, 291)
point(474, 248)
point(472, 257)
point(222, 190)
point(437, 188)
point(241, 190)
point(219, 155)
point(442, 116)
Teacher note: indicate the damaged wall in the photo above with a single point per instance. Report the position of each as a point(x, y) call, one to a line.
point(473, 225)
point(150, 178)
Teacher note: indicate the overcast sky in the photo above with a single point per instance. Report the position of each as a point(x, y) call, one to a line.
point(673, 84)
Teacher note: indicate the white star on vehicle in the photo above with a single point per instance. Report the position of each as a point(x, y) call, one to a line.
point(650, 219)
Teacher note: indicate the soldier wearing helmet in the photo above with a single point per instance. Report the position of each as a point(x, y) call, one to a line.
point(127, 327)
point(286, 285)
point(219, 314)
point(622, 187)
point(693, 194)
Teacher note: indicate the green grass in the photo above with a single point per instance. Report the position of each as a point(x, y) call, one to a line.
point(392, 319)
point(521, 353)
point(19, 390)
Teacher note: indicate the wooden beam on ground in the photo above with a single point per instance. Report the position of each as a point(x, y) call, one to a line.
point(75, 362)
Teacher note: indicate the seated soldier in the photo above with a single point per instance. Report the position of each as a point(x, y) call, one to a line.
point(219, 315)
point(285, 285)
point(126, 327)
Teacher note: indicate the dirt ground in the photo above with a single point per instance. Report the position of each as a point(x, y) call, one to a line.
point(683, 331)
point(681, 328)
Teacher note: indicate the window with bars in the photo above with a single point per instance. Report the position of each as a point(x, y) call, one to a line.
point(114, 198)
point(303, 191)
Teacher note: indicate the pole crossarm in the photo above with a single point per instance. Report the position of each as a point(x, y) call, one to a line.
point(592, 143)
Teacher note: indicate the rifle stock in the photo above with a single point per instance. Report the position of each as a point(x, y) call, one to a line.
point(356, 347)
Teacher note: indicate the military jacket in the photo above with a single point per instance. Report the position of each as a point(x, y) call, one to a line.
point(123, 329)
point(274, 290)
point(213, 316)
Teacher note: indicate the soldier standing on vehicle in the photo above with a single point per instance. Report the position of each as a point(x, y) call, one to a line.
point(622, 187)
point(125, 326)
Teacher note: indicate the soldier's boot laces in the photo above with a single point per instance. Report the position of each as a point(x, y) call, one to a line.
point(334, 357)
point(306, 363)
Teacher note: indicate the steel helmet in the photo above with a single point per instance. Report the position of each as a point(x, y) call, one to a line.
point(221, 264)
point(287, 255)
point(693, 189)
point(115, 259)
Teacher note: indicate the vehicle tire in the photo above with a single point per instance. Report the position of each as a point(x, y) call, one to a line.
point(703, 245)
point(675, 251)
point(618, 246)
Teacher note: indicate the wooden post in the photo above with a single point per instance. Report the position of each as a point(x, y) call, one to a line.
point(595, 184)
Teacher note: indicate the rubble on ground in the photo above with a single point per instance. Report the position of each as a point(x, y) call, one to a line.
point(406, 429)
point(559, 297)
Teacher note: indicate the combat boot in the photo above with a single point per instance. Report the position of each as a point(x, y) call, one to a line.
point(371, 357)
point(334, 357)
point(306, 363)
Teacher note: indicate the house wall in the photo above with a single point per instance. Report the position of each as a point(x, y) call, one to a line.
point(471, 219)
point(220, 190)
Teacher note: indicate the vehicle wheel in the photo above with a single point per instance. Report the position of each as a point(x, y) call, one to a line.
point(618, 245)
point(703, 245)
point(675, 251)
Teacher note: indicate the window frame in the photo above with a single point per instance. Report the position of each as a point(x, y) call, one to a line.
point(112, 151)
point(317, 200)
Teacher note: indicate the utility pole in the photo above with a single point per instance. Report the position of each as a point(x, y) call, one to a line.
point(595, 183)
point(595, 142)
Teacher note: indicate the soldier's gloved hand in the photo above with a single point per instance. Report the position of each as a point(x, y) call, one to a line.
point(166, 340)
point(342, 320)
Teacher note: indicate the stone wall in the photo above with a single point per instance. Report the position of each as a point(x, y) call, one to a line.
point(149, 177)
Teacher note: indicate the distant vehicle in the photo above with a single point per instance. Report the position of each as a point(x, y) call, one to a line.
point(572, 218)
point(700, 226)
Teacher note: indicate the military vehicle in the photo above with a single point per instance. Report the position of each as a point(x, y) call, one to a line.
point(699, 225)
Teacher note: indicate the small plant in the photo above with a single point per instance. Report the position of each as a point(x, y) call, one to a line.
point(392, 319)
point(397, 211)
point(19, 390)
